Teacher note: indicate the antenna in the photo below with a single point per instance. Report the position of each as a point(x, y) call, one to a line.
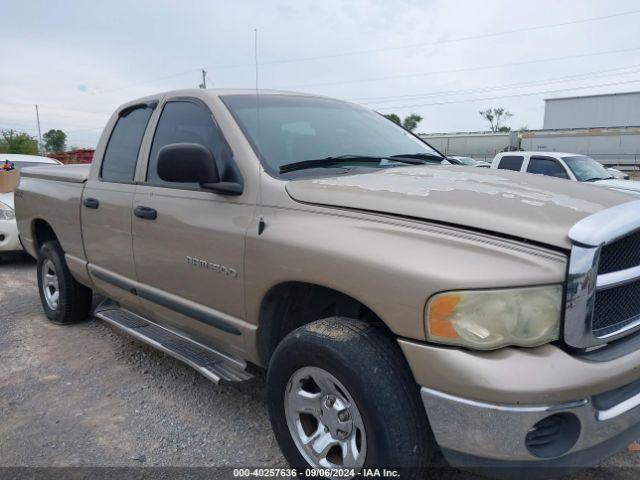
point(204, 78)
point(39, 131)
point(255, 54)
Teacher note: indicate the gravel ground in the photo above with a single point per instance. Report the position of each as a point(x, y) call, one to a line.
point(88, 396)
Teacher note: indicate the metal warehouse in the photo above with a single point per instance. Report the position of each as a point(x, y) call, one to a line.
point(589, 111)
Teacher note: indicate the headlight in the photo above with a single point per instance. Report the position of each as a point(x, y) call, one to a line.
point(489, 319)
point(6, 212)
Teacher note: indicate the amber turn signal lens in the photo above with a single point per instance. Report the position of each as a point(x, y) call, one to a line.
point(440, 311)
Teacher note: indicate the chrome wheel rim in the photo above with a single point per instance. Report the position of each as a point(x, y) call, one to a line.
point(324, 421)
point(50, 286)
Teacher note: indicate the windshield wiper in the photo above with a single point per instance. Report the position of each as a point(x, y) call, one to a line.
point(328, 161)
point(426, 156)
point(595, 179)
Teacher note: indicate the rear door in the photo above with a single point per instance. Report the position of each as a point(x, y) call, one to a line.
point(189, 254)
point(549, 166)
point(511, 162)
point(106, 207)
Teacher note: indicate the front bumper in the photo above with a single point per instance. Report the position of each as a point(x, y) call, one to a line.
point(478, 434)
point(9, 239)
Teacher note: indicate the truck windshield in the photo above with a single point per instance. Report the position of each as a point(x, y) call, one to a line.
point(586, 169)
point(285, 130)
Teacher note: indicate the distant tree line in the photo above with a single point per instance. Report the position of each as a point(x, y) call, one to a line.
point(410, 122)
point(495, 116)
point(12, 141)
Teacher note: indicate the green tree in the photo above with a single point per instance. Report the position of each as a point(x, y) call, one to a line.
point(55, 141)
point(411, 122)
point(504, 129)
point(496, 118)
point(17, 142)
point(393, 117)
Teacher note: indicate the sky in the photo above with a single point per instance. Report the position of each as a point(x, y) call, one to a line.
point(444, 60)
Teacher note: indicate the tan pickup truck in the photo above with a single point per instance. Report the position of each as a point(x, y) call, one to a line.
point(400, 306)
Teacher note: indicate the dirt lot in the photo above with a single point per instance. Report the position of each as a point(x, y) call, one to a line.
point(88, 396)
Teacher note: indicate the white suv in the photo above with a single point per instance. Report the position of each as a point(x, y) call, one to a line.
point(571, 166)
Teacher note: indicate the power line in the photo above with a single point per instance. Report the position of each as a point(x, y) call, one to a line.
point(515, 95)
point(438, 42)
point(466, 69)
point(582, 76)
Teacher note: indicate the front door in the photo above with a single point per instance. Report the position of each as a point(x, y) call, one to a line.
point(106, 208)
point(188, 242)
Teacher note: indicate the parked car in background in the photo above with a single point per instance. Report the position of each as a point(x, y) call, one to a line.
point(468, 161)
point(615, 173)
point(571, 166)
point(9, 240)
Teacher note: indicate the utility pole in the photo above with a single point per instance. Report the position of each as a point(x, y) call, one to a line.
point(204, 79)
point(39, 131)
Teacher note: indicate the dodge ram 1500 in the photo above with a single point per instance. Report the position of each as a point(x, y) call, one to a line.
point(400, 306)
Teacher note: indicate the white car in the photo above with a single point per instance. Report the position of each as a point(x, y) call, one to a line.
point(572, 166)
point(469, 161)
point(9, 241)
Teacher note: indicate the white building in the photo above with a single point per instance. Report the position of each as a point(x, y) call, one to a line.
point(589, 111)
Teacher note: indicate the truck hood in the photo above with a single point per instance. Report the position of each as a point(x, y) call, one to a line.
point(628, 186)
point(530, 207)
point(7, 199)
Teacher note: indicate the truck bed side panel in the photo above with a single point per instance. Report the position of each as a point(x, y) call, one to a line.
point(58, 204)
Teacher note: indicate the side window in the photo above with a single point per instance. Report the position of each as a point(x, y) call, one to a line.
point(546, 166)
point(121, 154)
point(188, 122)
point(511, 162)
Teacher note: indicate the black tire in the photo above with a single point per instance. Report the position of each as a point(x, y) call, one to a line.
point(374, 371)
point(74, 299)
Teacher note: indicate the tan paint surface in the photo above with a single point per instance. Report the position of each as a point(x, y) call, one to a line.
point(544, 374)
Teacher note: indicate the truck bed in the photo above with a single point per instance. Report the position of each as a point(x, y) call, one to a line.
point(52, 196)
point(61, 173)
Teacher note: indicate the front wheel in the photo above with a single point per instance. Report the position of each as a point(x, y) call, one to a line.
point(341, 397)
point(64, 300)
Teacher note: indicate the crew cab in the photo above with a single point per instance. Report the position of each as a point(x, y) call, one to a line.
point(400, 306)
point(570, 166)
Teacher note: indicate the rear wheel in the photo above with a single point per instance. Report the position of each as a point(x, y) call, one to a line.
point(341, 396)
point(64, 300)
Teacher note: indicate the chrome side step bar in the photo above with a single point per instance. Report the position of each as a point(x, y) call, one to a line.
point(212, 364)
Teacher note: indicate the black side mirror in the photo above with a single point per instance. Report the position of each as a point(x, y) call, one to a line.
point(187, 163)
point(193, 163)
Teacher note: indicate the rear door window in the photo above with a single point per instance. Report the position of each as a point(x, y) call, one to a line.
point(546, 166)
point(121, 155)
point(511, 162)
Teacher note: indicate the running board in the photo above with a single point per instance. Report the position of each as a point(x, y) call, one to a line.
point(210, 363)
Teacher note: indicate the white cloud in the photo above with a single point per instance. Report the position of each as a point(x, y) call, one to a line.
point(80, 60)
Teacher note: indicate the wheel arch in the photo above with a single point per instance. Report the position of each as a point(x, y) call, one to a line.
point(41, 232)
point(289, 305)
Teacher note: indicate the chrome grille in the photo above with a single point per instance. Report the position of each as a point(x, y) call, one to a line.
point(603, 285)
point(615, 308)
point(621, 254)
